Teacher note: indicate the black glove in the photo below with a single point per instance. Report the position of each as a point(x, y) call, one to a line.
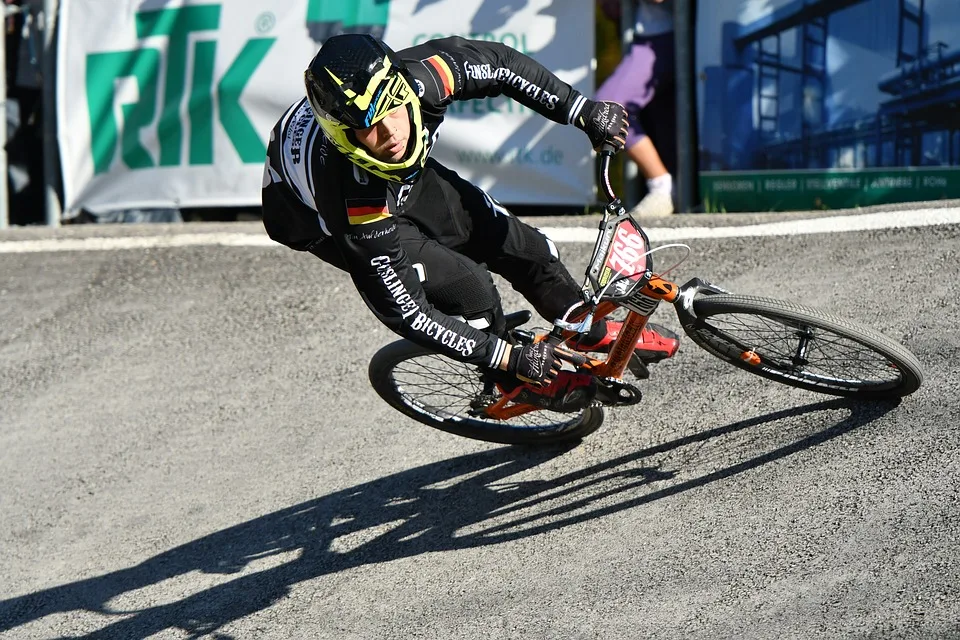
point(605, 123)
point(539, 363)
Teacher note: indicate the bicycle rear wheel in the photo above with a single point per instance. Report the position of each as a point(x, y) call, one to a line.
point(438, 392)
point(803, 347)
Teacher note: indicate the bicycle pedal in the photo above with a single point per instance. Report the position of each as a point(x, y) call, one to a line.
point(613, 392)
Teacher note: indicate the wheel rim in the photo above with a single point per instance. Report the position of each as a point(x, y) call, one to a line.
point(443, 389)
point(802, 351)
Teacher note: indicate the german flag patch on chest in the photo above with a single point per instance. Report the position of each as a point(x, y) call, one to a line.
point(367, 210)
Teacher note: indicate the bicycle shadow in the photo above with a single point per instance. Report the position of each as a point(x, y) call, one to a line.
point(399, 516)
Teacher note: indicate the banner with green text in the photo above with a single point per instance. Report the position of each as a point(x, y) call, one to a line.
point(168, 103)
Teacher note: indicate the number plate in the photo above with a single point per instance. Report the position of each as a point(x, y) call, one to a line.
point(626, 260)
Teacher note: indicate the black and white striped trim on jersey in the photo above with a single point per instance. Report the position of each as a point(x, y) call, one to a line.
point(308, 150)
point(575, 109)
point(284, 123)
point(498, 351)
point(308, 154)
point(300, 179)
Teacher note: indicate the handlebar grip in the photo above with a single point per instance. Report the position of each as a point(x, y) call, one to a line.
point(603, 173)
point(607, 149)
point(576, 358)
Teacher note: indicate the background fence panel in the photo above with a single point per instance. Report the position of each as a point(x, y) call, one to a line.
point(168, 104)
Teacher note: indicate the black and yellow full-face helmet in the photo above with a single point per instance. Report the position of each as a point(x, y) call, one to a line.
point(352, 83)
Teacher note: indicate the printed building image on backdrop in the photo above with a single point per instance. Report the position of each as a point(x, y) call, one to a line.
point(827, 103)
point(169, 102)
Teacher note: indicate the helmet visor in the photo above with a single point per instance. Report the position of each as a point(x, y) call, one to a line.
point(362, 106)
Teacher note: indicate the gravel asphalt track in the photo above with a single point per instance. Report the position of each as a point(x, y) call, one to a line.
point(189, 448)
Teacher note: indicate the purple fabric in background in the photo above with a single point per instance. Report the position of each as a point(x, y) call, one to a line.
point(645, 83)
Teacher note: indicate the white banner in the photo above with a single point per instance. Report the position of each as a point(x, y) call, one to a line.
point(168, 103)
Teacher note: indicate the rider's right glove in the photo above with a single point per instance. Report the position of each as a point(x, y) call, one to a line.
point(605, 123)
point(539, 363)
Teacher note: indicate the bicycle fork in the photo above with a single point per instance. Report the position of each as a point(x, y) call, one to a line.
point(640, 306)
point(613, 390)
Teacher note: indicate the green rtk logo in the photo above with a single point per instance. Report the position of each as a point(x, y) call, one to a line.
point(143, 65)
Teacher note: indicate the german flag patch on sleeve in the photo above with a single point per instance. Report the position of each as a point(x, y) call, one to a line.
point(367, 210)
point(442, 75)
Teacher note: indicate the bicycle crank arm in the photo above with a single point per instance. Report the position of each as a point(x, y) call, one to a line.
point(613, 392)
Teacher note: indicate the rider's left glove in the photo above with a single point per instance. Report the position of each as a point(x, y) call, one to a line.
point(605, 123)
point(539, 363)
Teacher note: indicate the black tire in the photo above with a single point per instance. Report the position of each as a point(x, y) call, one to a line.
point(841, 358)
point(437, 391)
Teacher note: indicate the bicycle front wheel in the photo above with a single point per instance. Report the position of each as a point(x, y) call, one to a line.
point(439, 392)
point(803, 347)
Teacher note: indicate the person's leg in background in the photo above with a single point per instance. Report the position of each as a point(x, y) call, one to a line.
point(634, 84)
point(659, 198)
point(658, 118)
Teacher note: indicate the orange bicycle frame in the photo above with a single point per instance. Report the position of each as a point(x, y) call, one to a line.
point(617, 360)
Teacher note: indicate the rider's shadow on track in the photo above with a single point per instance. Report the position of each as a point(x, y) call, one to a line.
point(405, 515)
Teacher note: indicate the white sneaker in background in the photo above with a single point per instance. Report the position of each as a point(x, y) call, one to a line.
point(654, 205)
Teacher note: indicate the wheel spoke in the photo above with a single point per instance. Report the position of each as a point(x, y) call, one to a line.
point(812, 353)
point(446, 387)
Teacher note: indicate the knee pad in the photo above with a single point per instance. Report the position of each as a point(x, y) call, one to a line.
point(534, 246)
point(471, 295)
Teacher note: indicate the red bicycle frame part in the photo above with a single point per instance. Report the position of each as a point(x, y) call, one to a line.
point(619, 357)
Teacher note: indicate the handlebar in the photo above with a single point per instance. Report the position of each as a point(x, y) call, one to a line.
point(560, 325)
point(607, 227)
point(606, 153)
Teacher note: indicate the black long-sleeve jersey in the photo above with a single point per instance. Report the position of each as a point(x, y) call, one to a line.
point(313, 193)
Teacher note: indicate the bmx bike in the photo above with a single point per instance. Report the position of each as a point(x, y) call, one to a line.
point(781, 341)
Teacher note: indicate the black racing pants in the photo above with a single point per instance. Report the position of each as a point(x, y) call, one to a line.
point(453, 233)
